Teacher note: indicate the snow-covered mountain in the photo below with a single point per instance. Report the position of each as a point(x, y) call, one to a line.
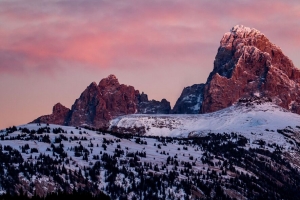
point(255, 119)
point(42, 158)
point(249, 148)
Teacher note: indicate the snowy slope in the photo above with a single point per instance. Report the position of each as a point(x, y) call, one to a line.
point(156, 151)
point(154, 154)
point(254, 121)
point(91, 137)
point(184, 168)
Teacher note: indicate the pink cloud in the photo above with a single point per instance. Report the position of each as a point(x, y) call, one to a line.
point(103, 34)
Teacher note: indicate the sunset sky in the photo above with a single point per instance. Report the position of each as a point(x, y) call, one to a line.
point(50, 51)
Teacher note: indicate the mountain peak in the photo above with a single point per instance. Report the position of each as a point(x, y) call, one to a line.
point(111, 76)
point(57, 108)
point(111, 80)
point(246, 63)
point(244, 31)
point(240, 36)
point(93, 84)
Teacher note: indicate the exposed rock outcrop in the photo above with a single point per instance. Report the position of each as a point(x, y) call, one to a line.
point(59, 115)
point(152, 107)
point(190, 100)
point(248, 64)
point(100, 103)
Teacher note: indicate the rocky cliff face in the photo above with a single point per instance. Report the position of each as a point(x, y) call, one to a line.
point(59, 115)
point(248, 64)
point(190, 100)
point(152, 107)
point(100, 103)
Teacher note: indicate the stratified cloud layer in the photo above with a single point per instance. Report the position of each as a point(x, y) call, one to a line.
point(111, 34)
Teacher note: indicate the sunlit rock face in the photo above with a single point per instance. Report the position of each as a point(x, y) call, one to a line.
point(59, 115)
point(98, 104)
point(248, 64)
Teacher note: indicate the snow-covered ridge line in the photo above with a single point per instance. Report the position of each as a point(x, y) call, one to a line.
point(252, 119)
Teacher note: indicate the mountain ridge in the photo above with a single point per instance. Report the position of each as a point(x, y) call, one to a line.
point(248, 64)
point(100, 103)
point(40, 159)
point(250, 115)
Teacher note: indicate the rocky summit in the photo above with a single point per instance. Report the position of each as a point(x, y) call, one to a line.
point(248, 64)
point(100, 103)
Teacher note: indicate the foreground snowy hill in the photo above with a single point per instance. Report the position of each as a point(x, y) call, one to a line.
point(253, 118)
point(42, 158)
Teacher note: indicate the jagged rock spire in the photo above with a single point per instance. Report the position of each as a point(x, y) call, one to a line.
point(247, 63)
